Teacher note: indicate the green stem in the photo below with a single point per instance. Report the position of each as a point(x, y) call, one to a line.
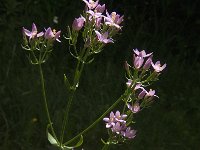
point(106, 147)
point(99, 119)
point(75, 82)
point(45, 101)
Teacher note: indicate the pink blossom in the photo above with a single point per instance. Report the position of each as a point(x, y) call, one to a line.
point(78, 23)
point(103, 37)
point(141, 53)
point(113, 19)
point(32, 34)
point(49, 34)
point(135, 108)
point(157, 66)
point(129, 133)
point(91, 4)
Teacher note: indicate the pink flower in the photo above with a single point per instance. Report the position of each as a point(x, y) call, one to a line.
point(94, 15)
point(32, 34)
point(141, 53)
point(138, 61)
point(91, 4)
point(120, 118)
point(49, 34)
point(113, 19)
point(129, 133)
point(149, 95)
point(103, 37)
point(110, 121)
point(100, 8)
point(135, 108)
point(147, 64)
point(157, 66)
point(78, 23)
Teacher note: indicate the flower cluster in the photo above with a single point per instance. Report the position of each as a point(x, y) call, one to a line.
point(48, 34)
point(142, 76)
point(97, 25)
point(139, 58)
point(39, 44)
point(118, 125)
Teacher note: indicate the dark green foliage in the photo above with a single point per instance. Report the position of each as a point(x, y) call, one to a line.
point(169, 28)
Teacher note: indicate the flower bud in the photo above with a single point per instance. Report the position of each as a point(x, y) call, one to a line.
point(147, 64)
point(138, 61)
point(100, 8)
point(78, 23)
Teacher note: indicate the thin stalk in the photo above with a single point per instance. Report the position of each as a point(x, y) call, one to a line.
point(76, 81)
point(106, 147)
point(99, 119)
point(45, 101)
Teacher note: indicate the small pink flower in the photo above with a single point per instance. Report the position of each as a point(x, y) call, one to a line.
point(135, 108)
point(113, 19)
point(49, 34)
point(32, 34)
point(103, 37)
point(149, 95)
point(129, 133)
point(91, 4)
point(138, 62)
point(120, 117)
point(157, 66)
point(141, 53)
point(94, 15)
point(100, 8)
point(110, 121)
point(78, 23)
point(147, 64)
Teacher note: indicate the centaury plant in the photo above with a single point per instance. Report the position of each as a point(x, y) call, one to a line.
point(89, 34)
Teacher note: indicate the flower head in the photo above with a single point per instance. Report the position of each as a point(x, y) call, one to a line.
point(110, 121)
point(120, 117)
point(94, 15)
point(33, 33)
point(103, 37)
point(147, 64)
point(138, 61)
point(116, 128)
point(149, 95)
point(91, 4)
point(78, 23)
point(129, 133)
point(49, 34)
point(113, 19)
point(100, 8)
point(141, 53)
point(157, 66)
point(135, 108)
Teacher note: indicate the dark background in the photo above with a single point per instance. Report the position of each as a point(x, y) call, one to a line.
point(169, 28)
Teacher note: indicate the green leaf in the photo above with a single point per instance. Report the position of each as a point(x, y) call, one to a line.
point(80, 142)
point(52, 139)
point(67, 82)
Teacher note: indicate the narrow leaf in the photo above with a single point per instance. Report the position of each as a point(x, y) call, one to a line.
point(80, 142)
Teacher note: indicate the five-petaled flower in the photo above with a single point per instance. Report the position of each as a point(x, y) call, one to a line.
point(33, 33)
point(113, 19)
point(104, 37)
point(135, 108)
point(52, 35)
point(129, 133)
point(141, 53)
point(91, 4)
point(110, 121)
point(78, 23)
point(157, 66)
